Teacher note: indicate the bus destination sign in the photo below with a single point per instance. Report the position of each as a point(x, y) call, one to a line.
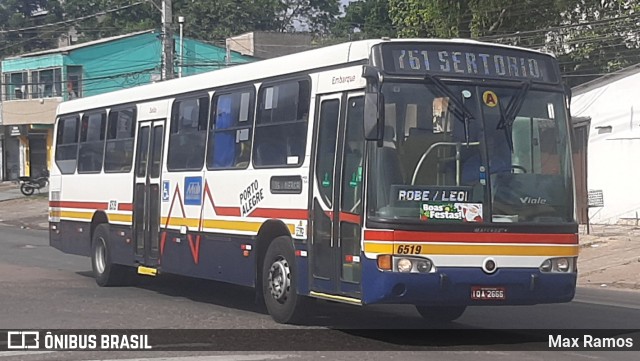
point(468, 60)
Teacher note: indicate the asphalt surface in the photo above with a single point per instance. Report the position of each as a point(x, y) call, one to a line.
point(42, 288)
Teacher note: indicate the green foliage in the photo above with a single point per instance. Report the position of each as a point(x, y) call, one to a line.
point(600, 37)
point(472, 18)
point(365, 19)
point(205, 19)
point(28, 15)
point(589, 37)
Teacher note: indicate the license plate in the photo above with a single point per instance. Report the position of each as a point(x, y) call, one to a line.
point(487, 293)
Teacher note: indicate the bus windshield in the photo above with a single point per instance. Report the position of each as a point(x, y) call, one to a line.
point(504, 157)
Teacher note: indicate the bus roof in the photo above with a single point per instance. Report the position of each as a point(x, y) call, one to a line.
point(299, 62)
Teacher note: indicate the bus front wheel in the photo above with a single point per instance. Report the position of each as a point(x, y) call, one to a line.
point(279, 282)
point(438, 314)
point(105, 272)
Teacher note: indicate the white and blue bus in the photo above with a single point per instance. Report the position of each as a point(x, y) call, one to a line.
point(428, 172)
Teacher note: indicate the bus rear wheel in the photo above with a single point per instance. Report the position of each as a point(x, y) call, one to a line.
point(106, 273)
point(440, 314)
point(279, 287)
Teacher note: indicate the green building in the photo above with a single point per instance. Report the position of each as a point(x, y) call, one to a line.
point(32, 85)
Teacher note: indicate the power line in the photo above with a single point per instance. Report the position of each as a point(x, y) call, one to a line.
point(73, 20)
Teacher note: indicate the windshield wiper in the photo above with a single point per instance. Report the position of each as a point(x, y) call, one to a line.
point(459, 109)
point(508, 115)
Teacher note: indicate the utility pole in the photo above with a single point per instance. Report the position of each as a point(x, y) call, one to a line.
point(167, 40)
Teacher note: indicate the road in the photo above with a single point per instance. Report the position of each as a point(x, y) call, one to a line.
point(43, 288)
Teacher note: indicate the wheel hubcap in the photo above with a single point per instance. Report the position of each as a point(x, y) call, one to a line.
point(280, 280)
point(100, 256)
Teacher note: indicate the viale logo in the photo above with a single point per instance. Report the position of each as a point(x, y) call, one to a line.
point(532, 200)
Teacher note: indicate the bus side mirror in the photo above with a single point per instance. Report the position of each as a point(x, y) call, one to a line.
point(373, 121)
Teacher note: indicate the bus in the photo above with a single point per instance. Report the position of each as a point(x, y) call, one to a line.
point(434, 173)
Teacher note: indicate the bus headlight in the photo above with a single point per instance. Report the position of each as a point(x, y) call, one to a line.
point(559, 265)
point(404, 265)
point(546, 266)
point(423, 266)
point(408, 264)
point(562, 264)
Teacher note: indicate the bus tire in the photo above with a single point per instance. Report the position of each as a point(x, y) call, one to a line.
point(440, 314)
point(106, 273)
point(279, 277)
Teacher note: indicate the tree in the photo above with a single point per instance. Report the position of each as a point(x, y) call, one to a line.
point(589, 37)
point(365, 19)
point(129, 19)
point(473, 18)
point(598, 37)
point(205, 19)
point(20, 25)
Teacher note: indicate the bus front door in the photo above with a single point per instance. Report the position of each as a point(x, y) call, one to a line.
point(146, 194)
point(337, 199)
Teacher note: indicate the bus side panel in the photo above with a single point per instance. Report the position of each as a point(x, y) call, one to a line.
point(210, 256)
point(302, 267)
point(122, 245)
point(71, 237)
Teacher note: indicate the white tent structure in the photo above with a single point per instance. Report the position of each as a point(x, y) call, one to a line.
point(613, 104)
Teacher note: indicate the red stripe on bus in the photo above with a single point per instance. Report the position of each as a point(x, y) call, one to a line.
point(349, 217)
point(280, 213)
point(83, 205)
point(409, 236)
point(227, 211)
point(125, 207)
point(378, 235)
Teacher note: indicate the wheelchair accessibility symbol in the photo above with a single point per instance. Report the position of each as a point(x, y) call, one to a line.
point(165, 191)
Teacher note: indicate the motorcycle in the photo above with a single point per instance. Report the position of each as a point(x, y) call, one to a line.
point(28, 185)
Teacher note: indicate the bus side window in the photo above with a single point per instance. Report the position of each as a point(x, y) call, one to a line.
point(230, 130)
point(188, 133)
point(281, 124)
point(67, 144)
point(120, 136)
point(91, 148)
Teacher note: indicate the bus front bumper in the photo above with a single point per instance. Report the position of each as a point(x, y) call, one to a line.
point(453, 286)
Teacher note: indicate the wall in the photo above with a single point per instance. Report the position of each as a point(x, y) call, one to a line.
point(613, 158)
point(117, 64)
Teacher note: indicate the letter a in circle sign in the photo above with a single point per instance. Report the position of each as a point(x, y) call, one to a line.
point(490, 98)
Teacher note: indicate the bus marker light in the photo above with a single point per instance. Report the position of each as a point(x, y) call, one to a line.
point(122, 233)
point(348, 258)
point(245, 253)
point(384, 262)
point(301, 253)
point(128, 240)
point(245, 246)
